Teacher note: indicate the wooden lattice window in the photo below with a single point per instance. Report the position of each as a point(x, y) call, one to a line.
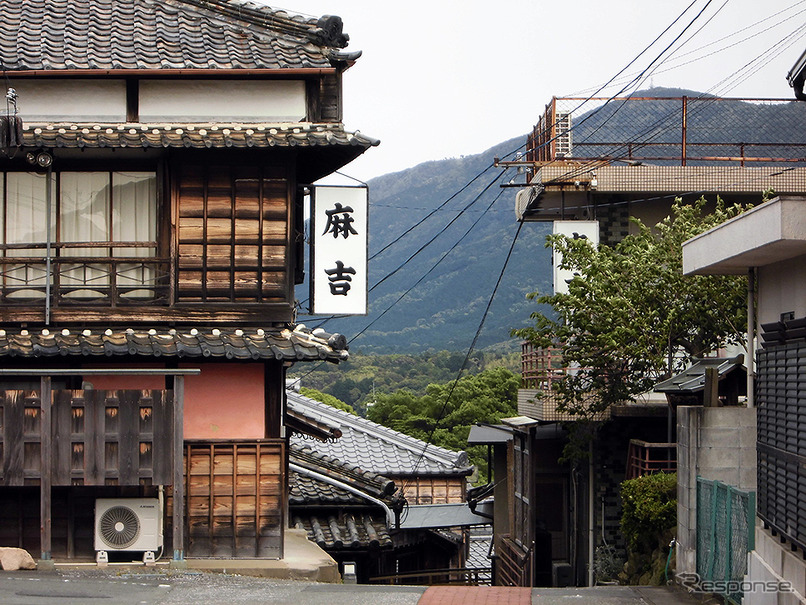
point(233, 232)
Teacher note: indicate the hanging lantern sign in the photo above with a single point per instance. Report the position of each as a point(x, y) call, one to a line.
point(339, 228)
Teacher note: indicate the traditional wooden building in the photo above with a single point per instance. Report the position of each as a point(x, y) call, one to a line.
point(427, 479)
point(155, 159)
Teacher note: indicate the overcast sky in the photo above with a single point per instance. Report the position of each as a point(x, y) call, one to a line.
point(446, 78)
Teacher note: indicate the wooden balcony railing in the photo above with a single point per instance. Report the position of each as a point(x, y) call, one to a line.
point(83, 273)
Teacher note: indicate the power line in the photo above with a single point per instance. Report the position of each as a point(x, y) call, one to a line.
point(469, 351)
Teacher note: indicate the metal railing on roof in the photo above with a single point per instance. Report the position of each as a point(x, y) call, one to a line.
point(693, 131)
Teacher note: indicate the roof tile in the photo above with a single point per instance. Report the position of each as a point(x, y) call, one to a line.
point(298, 344)
point(377, 448)
point(158, 34)
point(200, 135)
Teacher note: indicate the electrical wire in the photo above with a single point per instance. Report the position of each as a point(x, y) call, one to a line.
point(640, 78)
point(470, 350)
point(718, 41)
point(427, 273)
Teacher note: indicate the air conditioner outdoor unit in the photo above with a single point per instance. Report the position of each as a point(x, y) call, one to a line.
point(128, 524)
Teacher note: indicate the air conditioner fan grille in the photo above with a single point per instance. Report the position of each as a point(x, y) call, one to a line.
point(119, 527)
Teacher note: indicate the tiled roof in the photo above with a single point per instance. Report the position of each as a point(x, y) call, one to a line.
point(692, 379)
point(299, 421)
point(370, 446)
point(193, 136)
point(307, 490)
point(330, 526)
point(345, 531)
point(292, 345)
point(161, 34)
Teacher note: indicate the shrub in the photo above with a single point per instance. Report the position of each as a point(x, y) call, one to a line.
point(649, 510)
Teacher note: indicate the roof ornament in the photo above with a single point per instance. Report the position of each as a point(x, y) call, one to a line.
point(328, 32)
point(10, 125)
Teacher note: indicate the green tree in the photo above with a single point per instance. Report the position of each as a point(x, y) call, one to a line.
point(328, 399)
point(630, 317)
point(444, 414)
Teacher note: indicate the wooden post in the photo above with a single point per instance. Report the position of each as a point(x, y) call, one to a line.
point(178, 470)
point(46, 403)
point(711, 394)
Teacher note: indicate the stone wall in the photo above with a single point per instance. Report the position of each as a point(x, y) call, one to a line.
point(713, 443)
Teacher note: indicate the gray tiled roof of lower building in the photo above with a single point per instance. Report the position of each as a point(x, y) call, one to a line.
point(307, 489)
point(351, 530)
point(379, 449)
point(157, 34)
point(231, 343)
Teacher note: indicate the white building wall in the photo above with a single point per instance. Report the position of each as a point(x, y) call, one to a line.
point(222, 101)
point(71, 100)
point(782, 288)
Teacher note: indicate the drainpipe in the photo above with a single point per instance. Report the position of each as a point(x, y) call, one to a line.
point(48, 227)
point(751, 341)
point(390, 517)
point(590, 515)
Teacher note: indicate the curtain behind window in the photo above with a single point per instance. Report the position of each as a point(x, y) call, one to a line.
point(134, 219)
point(26, 223)
point(84, 215)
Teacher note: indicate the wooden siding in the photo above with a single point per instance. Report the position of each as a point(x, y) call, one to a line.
point(232, 230)
point(432, 490)
point(96, 438)
point(241, 516)
point(235, 498)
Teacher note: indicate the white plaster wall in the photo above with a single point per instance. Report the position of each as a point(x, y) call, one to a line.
point(782, 288)
point(71, 100)
point(222, 101)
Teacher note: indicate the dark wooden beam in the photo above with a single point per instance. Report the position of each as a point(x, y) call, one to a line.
point(132, 100)
point(274, 396)
point(179, 475)
point(46, 406)
point(208, 314)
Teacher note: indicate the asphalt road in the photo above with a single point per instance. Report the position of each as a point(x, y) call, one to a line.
point(91, 586)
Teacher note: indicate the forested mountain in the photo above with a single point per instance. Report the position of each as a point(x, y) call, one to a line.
point(431, 304)
point(443, 311)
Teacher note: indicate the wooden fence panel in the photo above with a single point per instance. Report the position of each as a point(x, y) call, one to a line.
point(235, 498)
point(97, 438)
point(20, 445)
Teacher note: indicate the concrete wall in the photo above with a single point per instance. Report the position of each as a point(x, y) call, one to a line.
point(767, 566)
point(713, 443)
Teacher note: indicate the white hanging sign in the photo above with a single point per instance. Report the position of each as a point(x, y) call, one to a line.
point(339, 228)
point(588, 230)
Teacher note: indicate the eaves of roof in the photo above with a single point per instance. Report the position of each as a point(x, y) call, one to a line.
point(348, 531)
point(372, 484)
point(300, 422)
point(192, 136)
point(692, 379)
point(287, 345)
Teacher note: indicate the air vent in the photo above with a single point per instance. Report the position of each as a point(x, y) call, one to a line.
point(119, 527)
